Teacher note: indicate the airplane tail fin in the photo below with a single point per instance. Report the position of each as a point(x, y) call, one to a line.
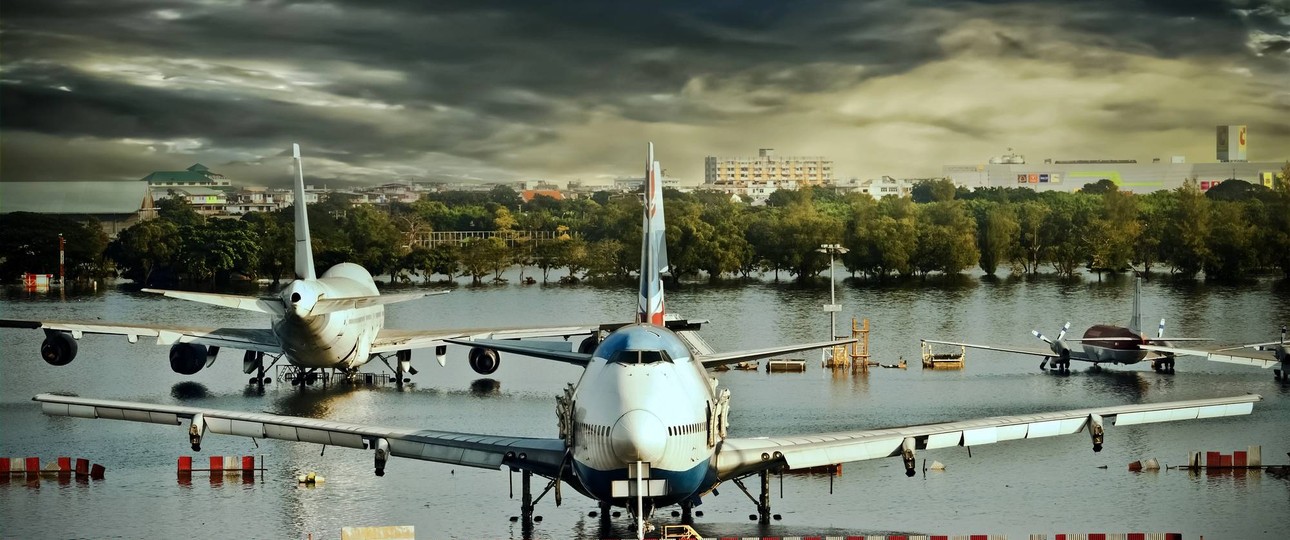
point(1135, 322)
point(653, 246)
point(304, 250)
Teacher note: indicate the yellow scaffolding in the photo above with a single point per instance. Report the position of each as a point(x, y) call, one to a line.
point(855, 355)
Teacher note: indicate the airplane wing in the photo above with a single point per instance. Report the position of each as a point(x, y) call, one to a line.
point(717, 359)
point(739, 457)
point(1263, 359)
point(389, 339)
point(527, 348)
point(541, 456)
point(249, 339)
point(1018, 350)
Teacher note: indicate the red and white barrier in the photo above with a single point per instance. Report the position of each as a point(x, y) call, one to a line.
point(30, 467)
point(223, 465)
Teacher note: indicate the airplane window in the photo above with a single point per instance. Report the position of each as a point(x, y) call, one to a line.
point(641, 357)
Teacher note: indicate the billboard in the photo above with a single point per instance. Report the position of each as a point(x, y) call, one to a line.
point(1229, 143)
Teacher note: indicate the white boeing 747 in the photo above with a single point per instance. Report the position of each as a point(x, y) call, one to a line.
point(335, 321)
point(645, 427)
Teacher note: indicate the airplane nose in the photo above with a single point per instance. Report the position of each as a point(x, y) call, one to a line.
point(638, 436)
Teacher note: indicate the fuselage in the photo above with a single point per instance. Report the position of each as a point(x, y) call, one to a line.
point(642, 398)
point(339, 339)
point(1118, 351)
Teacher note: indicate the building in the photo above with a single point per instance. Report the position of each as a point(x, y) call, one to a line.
point(204, 200)
point(1012, 170)
point(767, 169)
point(877, 188)
point(196, 176)
point(116, 205)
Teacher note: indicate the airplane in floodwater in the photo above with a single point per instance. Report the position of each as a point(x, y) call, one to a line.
point(645, 427)
point(336, 321)
point(1264, 355)
point(1101, 344)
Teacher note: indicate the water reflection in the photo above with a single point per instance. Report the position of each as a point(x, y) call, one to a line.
point(314, 402)
point(485, 387)
point(189, 391)
point(1130, 385)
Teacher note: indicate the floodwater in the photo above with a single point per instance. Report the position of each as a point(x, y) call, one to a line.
point(1015, 488)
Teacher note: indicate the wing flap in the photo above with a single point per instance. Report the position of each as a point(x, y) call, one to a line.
point(542, 456)
point(738, 457)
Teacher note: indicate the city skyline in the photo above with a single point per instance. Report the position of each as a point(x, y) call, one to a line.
point(505, 91)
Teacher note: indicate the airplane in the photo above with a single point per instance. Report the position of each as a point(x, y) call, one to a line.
point(1101, 344)
point(645, 427)
point(1277, 354)
point(335, 321)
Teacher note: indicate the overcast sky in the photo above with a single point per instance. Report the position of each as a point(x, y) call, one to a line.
point(500, 91)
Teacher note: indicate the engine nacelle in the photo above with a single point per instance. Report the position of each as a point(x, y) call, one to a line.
point(187, 358)
point(59, 348)
point(441, 354)
point(1096, 432)
point(907, 455)
point(195, 431)
point(382, 455)
point(588, 346)
point(484, 361)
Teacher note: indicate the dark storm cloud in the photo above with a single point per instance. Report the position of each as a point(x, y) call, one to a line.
point(384, 88)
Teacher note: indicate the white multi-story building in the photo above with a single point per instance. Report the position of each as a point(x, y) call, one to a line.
point(767, 168)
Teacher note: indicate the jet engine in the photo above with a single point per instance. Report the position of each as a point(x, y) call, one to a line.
point(484, 361)
point(58, 349)
point(588, 346)
point(187, 358)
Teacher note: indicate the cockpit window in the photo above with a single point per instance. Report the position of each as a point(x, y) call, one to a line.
point(640, 357)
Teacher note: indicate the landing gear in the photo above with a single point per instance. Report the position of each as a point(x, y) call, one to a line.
point(402, 365)
point(253, 362)
point(763, 514)
point(1163, 365)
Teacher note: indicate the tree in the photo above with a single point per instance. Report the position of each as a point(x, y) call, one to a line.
point(178, 211)
point(1234, 189)
point(1032, 244)
point(998, 235)
point(278, 241)
point(1114, 233)
point(505, 196)
point(1187, 235)
point(946, 238)
point(802, 229)
point(933, 190)
point(144, 247)
point(1100, 187)
point(1153, 211)
point(216, 249)
point(1066, 232)
point(1232, 240)
point(29, 243)
point(479, 256)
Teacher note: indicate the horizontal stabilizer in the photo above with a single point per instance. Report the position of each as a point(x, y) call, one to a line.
point(526, 348)
point(330, 305)
point(755, 354)
point(270, 305)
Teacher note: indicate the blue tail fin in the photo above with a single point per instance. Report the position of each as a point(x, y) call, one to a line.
point(304, 251)
point(653, 246)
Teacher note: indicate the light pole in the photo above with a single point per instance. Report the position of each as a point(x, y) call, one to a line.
point(832, 307)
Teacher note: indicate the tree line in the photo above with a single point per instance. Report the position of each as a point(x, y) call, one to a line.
point(1228, 232)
